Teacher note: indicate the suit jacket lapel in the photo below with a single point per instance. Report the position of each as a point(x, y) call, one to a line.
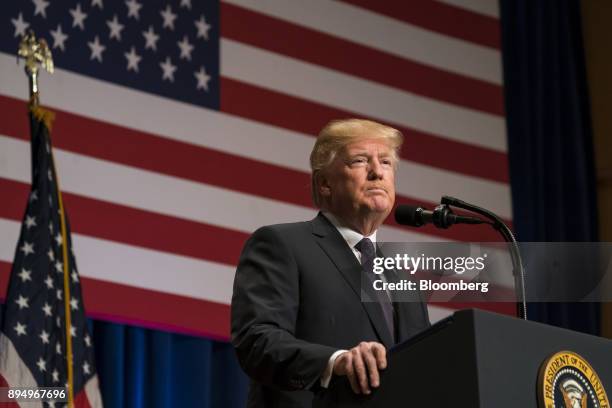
point(334, 245)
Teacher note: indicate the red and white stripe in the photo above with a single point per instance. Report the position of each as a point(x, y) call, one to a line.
point(15, 373)
point(162, 194)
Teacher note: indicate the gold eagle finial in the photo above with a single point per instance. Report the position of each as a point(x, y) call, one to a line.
point(35, 52)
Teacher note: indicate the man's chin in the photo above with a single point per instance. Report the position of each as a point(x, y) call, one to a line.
point(382, 208)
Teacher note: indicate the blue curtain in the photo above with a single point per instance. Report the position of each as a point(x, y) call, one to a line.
point(549, 136)
point(141, 368)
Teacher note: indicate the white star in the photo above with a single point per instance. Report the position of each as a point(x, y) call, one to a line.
point(168, 17)
point(58, 239)
point(41, 364)
point(49, 282)
point(115, 28)
point(59, 38)
point(51, 255)
point(57, 321)
point(133, 8)
point(59, 267)
point(202, 27)
point(78, 17)
point(25, 275)
point(55, 375)
point(186, 4)
point(74, 304)
point(96, 49)
point(202, 78)
point(150, 38)
point(87, 340)
point(97, 3)
point(50, 227)
point(47, 309)
point(22, 302)
point(27, 248)
point(132, 60)
point(44, 336)
point(75, 276)
point(58, 348)
point(40, 7)
point(30, 222)
point(168, 69)
point(20, 25)
point(34, 193)
point(20, 329)
point(86, 367)
point(58, 294)
point(186, 48)
point(73, 331)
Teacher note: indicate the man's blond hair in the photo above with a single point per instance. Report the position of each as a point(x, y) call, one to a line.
point(338, 134)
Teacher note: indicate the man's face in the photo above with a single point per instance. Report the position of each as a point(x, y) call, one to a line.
point(361, 180)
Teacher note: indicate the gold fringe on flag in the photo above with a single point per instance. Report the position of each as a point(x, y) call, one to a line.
point(44, 115)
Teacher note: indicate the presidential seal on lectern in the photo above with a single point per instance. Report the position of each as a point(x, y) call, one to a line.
point(567, 380)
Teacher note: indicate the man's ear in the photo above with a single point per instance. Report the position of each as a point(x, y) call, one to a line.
point(323, 185)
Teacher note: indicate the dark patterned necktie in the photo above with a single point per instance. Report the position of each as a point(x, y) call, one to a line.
point(368, 253)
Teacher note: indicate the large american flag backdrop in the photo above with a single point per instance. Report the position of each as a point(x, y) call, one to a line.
point(182, 126)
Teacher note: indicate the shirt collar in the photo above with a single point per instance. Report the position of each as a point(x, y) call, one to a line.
point(351, 237)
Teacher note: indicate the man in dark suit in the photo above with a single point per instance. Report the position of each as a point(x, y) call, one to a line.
point(298, 320)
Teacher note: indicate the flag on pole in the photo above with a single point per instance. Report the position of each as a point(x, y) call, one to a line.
point(43, 302)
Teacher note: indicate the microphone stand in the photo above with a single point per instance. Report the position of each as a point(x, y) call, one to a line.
point(515, 254)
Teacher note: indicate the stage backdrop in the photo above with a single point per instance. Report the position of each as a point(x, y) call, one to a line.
point(183, 126)
point(551, 142)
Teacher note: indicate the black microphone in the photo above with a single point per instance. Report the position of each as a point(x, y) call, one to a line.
point(442, 216)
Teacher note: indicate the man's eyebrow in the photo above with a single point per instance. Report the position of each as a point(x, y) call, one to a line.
point(366, 152)
point(357, 153)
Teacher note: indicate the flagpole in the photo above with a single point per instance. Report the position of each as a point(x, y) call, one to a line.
point(36, 53)
point(66, 291)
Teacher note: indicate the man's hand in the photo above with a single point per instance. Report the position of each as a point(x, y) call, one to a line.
point(361, 364)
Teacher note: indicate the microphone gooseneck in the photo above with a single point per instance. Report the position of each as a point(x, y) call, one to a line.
point(443, 217)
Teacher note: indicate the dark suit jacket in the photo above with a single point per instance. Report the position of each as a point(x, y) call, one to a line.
point(296, 301)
